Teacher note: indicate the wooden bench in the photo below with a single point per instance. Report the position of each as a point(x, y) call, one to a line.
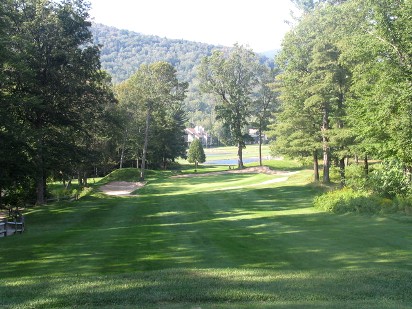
point(11, 227)
point(3, 228)
point(16, 226)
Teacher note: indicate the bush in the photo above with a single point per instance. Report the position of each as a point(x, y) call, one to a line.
point(356, 177)
point(348, 200)
point(389, 180)
point(401, 203)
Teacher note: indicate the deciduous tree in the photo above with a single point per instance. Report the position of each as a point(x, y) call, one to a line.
point(232, 77)
point(152, 91)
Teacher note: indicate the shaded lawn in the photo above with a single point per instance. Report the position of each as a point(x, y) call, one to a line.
point(195, 241)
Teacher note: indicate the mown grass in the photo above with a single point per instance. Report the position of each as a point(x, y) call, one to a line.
point(217, 241)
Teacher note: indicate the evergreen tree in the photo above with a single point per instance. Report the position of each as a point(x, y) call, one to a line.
point(196, 153)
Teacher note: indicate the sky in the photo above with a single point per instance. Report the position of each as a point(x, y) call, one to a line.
point(259, 24)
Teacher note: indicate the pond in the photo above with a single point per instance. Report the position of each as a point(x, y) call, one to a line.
point(231, 161)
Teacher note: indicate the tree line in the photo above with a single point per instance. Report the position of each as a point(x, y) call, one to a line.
point(341, 89)
point(346, 84)
point(56, 102)
point(124, 51)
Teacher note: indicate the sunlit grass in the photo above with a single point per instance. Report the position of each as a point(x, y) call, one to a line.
point(212, 241)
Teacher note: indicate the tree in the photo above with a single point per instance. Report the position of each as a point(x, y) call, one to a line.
point(196, 153)
point(382, 56)
point(54, 77)
point(152, 91)
point(232, 78)
point(309, 5)
point(264, 103)
point(315, 80)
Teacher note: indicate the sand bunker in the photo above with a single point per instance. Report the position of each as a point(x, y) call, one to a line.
point(121, 188)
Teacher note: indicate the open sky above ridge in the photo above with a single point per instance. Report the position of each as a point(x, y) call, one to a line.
point(259, 24)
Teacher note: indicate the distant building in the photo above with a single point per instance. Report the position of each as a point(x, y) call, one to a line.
point(254, 134)
point(199, 133)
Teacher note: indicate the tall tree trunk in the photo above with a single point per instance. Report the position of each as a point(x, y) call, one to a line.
point(260, 143)
point(325, 145)
point(146, 140)
point(123, 147)
point(342, 171)
point(40, 200)
point(240, 155)
point(315, 166)
point(366, 165)
point(69, 182)
point(40, 178)
point(79, 177)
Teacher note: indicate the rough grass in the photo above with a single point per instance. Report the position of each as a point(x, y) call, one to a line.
point(217, 241)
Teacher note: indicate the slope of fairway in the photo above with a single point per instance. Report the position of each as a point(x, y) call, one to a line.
point(220, 241)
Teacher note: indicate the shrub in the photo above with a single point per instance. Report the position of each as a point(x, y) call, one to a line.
point(401, 203)
point(356, 177)
point(348, 200)
point(389, 180)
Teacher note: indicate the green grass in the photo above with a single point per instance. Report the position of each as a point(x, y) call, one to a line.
point(230, 152)
point(217, 241)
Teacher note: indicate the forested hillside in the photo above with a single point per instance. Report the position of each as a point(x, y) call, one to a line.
point(123, 51)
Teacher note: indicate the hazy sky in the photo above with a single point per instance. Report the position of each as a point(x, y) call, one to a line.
point(257, 23)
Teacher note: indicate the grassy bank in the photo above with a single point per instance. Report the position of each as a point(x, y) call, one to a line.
point(217, 241)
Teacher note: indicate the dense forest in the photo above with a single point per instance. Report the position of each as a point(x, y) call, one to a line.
point(345, 88)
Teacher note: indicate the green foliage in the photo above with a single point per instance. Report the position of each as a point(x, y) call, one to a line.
point(54, 98)
point(355, 177)
point(347, 201)
point(123, 52)
point(151, 101)
point(232, 79)
point(196, 153)
point(390, 180)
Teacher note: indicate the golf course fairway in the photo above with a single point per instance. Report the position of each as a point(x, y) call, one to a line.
point(211, 241)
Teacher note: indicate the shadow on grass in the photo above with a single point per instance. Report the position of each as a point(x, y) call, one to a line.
point(261, 228)
point(246, 245)
point(218, 288)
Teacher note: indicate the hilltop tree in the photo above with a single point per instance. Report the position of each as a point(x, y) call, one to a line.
point(232, 78)
point(196, 153)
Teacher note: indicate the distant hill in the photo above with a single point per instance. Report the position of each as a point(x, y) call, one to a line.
point(123, 51)
point(270, 53)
